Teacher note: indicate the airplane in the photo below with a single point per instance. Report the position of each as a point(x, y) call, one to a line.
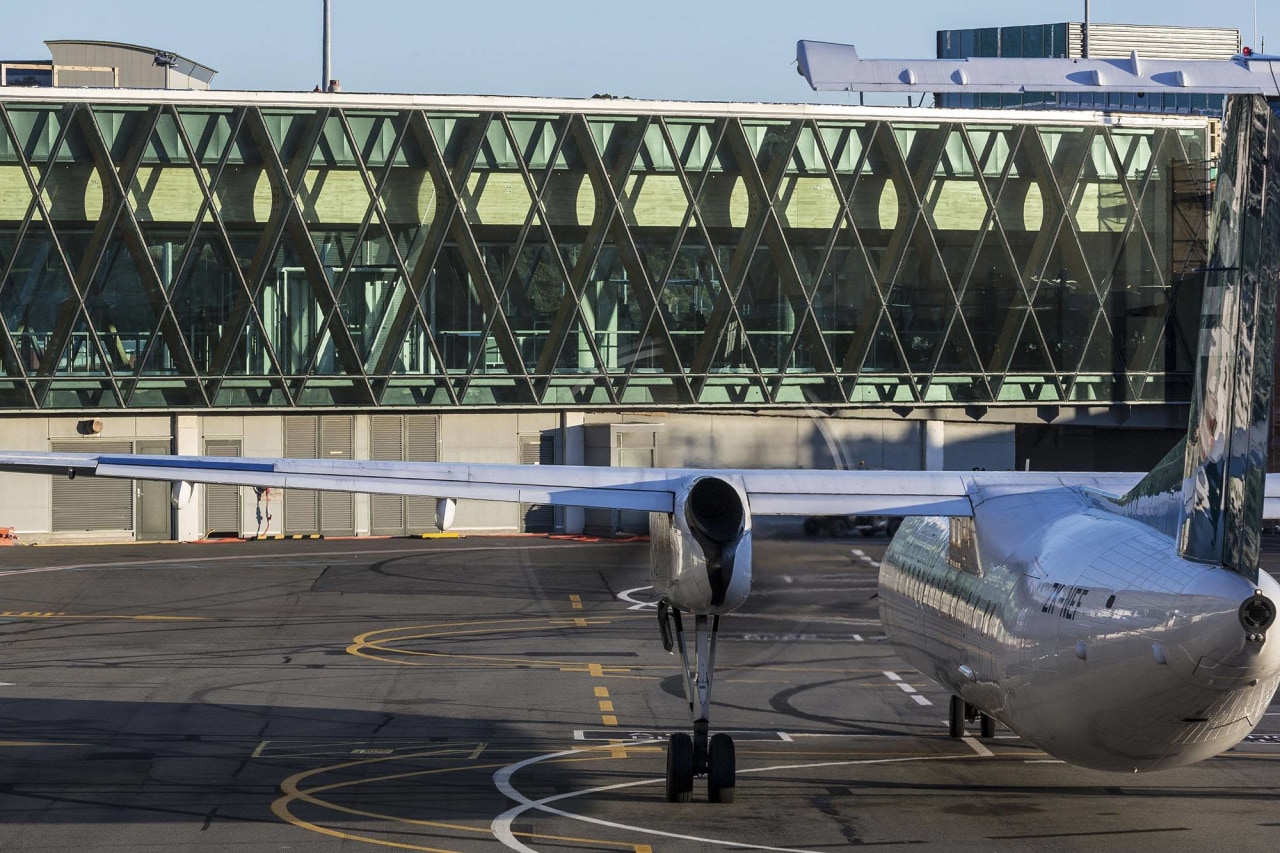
point(1116, 621)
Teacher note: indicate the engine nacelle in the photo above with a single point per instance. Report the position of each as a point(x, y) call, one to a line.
point(700, 555)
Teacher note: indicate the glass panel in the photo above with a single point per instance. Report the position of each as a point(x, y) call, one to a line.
point(288, 129)
point(36, 128)
point(767, 314)
point(121, 128)
point(618, 320)
point(33, 295)
point(992, 294)
point(920, 300)
point(535, 289)
point(845, 301)
point(458, 322)
point(694, 143)
point(120, 312)
point(375, 136)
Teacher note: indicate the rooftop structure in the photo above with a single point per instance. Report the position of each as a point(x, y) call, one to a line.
point(1072, 40)
point(107, 64)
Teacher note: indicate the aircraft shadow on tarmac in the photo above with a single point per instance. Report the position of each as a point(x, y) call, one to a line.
point(88, 761)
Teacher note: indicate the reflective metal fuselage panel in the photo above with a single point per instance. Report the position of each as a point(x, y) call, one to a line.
point(1081, 630)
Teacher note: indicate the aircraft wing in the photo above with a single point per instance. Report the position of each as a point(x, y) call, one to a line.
point(768, 491)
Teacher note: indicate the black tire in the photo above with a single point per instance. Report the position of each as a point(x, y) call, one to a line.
point(721, 769)
point(680, 768)
point(839, 528)
point(957, 717)
point(811, 527)
point(988, 725)
point(892, 527)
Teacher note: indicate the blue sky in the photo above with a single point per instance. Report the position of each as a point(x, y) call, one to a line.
point(678, 49)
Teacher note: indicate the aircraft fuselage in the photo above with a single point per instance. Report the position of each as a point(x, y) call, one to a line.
point(1081, 629)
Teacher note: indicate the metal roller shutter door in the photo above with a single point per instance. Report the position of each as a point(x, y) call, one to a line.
point(222, 502)
point(90, 503)
point(394, 438)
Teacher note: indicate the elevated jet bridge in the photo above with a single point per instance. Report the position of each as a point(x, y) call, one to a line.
point(837, 67)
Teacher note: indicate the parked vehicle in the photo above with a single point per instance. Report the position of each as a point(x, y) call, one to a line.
point(840, 526)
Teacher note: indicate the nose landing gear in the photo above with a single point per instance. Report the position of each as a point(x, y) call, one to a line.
point(701, 754)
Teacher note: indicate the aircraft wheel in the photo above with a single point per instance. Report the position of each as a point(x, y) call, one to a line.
point(721, 769)
point(988, 726)
point(680, 768)
point(957, 716)
point(839, 528)
point(811, 527)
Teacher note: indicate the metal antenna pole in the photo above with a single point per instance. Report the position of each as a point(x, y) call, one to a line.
point(326, 73)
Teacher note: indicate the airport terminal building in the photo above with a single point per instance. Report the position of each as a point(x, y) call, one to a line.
point(598, 281)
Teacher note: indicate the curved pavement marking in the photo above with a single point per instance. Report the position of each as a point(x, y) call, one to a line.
point(373, 646)
point(501, 825)
point(292, 791)
point(628, 595)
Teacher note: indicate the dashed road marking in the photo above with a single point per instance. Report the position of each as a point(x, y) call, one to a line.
point(575, 601)
point(977, 746)
point(864, 557)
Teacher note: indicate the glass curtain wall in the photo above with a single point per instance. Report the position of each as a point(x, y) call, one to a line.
point(159, 256)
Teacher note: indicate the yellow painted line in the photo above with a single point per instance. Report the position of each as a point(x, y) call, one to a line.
point(606, 705)
point(575, 601)
point(602, 692)
point(45, 615)
point(609, 720)
point(475, 753)
point(617, 749)
point(364, 641)
point(595, 669)
point(292, 791)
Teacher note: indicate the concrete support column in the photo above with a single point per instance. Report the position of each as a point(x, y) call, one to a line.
point(933, 445)
point(573, 451)
point(362, 504)
point(188, 520)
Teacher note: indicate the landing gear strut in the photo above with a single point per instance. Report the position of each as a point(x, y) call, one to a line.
point(703, 754)
point(962, 712)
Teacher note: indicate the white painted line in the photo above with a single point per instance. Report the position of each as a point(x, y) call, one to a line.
point(501, 825)
point(857, 638)
point(920, 700)
point(786, 579)
point(858, 552)
point(785, 738)
point(1043, 761)
point(892, 676)
point(628, 595)
point(906, 688)
point(976, 745)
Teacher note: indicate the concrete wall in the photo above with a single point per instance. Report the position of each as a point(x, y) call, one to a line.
point(683, 440)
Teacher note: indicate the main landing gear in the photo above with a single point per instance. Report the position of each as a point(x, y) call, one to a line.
point(962, 712)
point(702, 754)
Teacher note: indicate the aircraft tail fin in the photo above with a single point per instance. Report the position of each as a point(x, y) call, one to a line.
point(1224, 455)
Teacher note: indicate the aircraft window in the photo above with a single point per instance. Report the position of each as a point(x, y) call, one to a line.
point(962, 550)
